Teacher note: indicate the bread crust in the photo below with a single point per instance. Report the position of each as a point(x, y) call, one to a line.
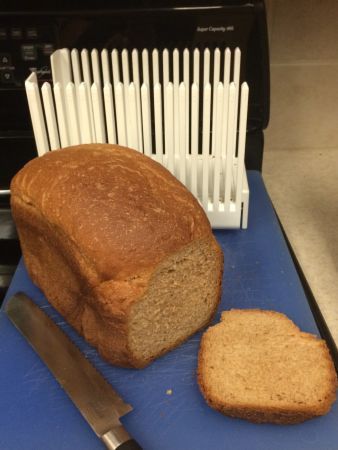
point(84, 186)
point(95, 222)
point(266, 414)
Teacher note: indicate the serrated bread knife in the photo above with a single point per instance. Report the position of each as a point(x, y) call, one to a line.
point(97, 401)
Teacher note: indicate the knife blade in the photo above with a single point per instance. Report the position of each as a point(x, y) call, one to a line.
point(96, 400)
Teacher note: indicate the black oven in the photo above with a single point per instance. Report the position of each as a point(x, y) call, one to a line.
point(29, 35)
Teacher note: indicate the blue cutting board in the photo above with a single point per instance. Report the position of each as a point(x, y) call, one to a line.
point(169, 411)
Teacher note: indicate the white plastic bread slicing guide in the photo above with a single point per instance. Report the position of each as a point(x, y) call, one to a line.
point(170, 105)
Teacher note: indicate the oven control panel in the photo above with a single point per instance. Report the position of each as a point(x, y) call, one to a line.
point(24, 47)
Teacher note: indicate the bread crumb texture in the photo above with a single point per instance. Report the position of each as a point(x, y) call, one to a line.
point(258, 365)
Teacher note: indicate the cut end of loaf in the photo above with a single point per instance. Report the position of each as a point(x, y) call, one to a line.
point(182, 297)
point(257, 365)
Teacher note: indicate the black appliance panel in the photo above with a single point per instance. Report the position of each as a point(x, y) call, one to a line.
point(27, 40)
point(29, 36)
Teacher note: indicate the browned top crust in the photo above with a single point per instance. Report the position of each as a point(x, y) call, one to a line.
point(90, 193)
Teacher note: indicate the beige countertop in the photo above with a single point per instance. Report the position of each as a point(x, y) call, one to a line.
point(300, 165)
point(303, 185)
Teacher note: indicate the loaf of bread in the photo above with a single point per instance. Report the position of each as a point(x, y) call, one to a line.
point(258, 365)
point(119, 247)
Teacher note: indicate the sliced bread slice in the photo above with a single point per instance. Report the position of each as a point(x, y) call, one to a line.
point(257, 365)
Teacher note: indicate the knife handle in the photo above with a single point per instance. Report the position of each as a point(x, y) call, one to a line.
point(118, 439)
